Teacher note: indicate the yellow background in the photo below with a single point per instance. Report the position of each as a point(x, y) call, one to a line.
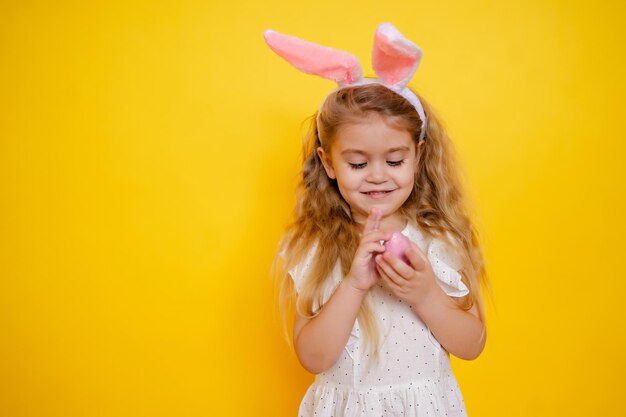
point(148, 156)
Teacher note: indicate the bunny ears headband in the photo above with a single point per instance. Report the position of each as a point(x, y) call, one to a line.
point(394, 59)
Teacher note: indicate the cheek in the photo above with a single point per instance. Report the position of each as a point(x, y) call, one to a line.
point(350, 178)
point(407, 176)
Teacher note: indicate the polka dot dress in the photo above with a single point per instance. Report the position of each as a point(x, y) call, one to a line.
point(412, 376)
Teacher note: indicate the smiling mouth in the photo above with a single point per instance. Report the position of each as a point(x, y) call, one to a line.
point(377, 193)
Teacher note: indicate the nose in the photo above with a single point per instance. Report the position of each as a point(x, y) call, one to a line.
point(377, 173)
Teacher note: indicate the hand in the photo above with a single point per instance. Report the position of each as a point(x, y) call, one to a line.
point(412, 283)
point(363, 274)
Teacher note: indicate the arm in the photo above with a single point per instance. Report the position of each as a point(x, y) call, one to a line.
point(460, 332)
point(319, 341)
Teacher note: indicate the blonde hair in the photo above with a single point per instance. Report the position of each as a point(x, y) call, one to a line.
point(436, 204)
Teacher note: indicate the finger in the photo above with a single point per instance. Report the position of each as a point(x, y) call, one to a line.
point(399, 266)
point(381, 273)
point(373, 220)
point(390, 283)
point(382, 263)
point(416, 257)
point(375, 236)
point(371, 247)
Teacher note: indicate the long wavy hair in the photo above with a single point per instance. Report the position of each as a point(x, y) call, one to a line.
point(437, 205)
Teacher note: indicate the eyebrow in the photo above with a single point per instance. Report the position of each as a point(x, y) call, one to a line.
point(358, 151)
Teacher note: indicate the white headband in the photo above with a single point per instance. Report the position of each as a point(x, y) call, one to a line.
point(394, 59)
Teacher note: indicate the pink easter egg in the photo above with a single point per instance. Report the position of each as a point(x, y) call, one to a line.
point(398, 245)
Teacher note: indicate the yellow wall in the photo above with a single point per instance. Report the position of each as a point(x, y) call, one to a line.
point(148, 154)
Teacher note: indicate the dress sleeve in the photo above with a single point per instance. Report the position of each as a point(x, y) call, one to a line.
point(299, 271)
point(445, 264)
point(298, 274)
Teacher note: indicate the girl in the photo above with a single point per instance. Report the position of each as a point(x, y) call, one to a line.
point(375, 330)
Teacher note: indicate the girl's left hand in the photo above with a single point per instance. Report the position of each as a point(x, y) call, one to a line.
point(411, 283)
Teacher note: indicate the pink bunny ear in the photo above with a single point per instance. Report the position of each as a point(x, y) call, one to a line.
point(311, 58)
point(394, 58)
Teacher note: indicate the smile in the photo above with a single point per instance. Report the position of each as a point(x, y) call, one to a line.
point(377, 194)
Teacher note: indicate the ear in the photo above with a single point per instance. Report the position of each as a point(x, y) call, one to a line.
point(326, 162)
point(311, 58)
point(394, 58)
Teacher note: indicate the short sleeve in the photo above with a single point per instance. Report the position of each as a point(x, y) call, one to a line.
point(445, 264)
point(299, 271)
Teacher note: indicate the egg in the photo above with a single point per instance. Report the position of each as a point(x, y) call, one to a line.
point(398, 245)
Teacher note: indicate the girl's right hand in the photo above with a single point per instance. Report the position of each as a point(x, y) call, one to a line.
point(363, 273)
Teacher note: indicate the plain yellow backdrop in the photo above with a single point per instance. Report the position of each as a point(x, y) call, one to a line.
point(148, 155)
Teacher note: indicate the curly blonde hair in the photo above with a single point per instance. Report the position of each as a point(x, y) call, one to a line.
point(436, 204)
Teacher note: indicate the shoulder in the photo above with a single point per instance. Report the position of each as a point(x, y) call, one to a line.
point(416, 235)
point(300, 269)
point(301, 275)
point(438, 247)
point(445, 260)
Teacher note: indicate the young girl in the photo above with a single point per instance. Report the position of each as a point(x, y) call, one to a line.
point(376, 330)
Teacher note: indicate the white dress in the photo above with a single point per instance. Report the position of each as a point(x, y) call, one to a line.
point(412, 376)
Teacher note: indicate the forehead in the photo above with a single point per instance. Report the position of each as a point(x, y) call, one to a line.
point(372, 134)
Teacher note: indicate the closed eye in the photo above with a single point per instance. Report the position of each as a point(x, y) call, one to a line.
point(390, 163)
point(358, 166)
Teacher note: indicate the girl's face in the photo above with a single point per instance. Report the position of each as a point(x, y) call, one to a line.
point(374, 164)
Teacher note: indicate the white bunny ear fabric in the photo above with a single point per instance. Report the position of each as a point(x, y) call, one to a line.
point(394, 58)
point(311, 58)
